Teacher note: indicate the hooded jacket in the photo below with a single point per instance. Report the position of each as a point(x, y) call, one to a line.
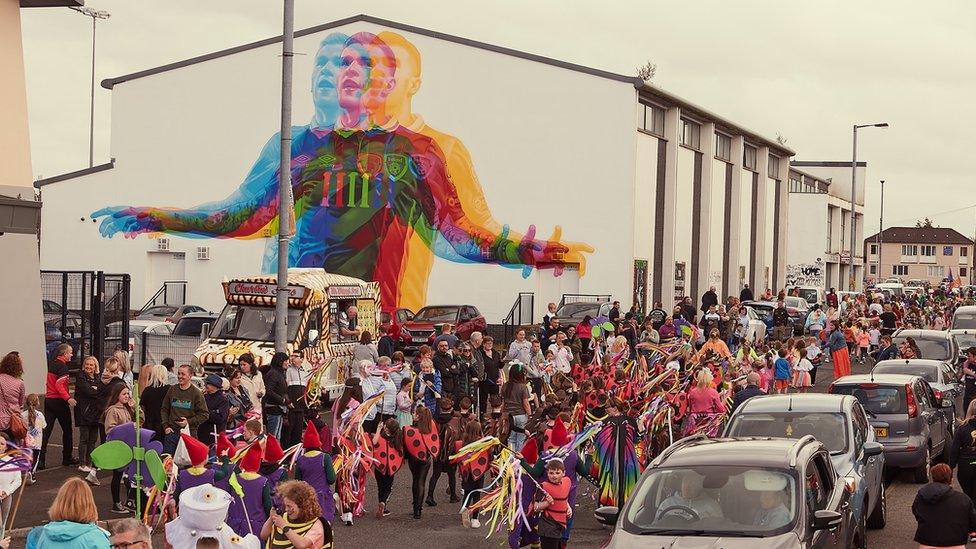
point(67, 534)
point(945, 517)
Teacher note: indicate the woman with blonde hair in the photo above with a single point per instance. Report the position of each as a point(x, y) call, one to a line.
point(152, 396)
point(301, 525)
point(89, 404)
point(125, 366)
point(73, 516)
point(704, 404)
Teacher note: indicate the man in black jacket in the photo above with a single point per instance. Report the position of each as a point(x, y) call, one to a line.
point(781, 322)
point(709, 298)
point(746, 293)
point(275, 395)
point(750, 390)
point(888, 350)
point(945, 517)
point(445, 364)
point(385, 346)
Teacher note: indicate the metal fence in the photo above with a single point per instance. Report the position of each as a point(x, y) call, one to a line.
point(89, 310)
point(153, 348)
point(172, 292)
point(583, 298)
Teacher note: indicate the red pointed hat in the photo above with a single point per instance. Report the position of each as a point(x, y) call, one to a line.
point(560, 436)
point(252, 459)
point(530, 451)
point(311, 439)
point(272, 450)
point(224, 446)
point(197, 450)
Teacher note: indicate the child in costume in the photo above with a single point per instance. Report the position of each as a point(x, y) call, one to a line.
point(271, 467)
point(198, 473)
point(472, 471)
point(574, 466)
point(617, 455)
point(203, 510)
point(523, 535)
point(449, 430)
point(35, 423)
point(422, 443)
point(315, 467)
point(388, 453)
point(554, 505)
point(251, 495)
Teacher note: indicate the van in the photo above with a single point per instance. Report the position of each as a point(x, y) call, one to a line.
point(811, 294)
point(897, 289)
point(317, 300)
point(964, 318)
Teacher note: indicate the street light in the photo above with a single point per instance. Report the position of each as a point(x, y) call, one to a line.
point(850, 277)
point(95, 15)
point(880, 229)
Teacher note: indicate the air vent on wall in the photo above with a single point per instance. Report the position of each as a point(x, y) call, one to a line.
point(162, 244)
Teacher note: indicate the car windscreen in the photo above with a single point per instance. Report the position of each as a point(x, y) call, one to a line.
point(160, 311)
point(933, 349)
point(577, 311)
point(964, 341)
point(713, 500)
point(809, 294)
point(797, 303)
point(830, 428)
point(875, 398)
point(927, 372)
point(436, 314)
point(964, 321)
point(250, 322)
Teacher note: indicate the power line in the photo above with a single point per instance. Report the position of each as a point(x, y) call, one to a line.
point(931, 215)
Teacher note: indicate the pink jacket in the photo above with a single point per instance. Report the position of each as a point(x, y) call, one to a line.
point(701, 401)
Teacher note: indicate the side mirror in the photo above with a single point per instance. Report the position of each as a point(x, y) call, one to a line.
point(205, 330)
point(313, 338)
point(873, 449)
point(607, 516)
point(826, 519)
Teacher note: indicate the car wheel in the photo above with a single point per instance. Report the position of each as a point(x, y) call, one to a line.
point(879, 517)
point(921, 473)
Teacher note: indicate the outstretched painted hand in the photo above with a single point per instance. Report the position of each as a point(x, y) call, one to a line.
point(129, 221)
point(552, 252)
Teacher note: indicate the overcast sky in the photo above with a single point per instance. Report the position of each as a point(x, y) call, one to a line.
point(806, 70)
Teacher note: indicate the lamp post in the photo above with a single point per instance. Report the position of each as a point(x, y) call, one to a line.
point(880, 229)
point(286, 201)
point(850, 277)
point(95, 15)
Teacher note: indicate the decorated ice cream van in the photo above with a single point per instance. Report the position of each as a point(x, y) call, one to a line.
point(325, 311)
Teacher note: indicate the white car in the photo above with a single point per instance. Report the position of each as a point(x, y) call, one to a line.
point(757, 328)
point(136, 329)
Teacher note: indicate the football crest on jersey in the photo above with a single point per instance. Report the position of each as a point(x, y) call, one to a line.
point(396, 165)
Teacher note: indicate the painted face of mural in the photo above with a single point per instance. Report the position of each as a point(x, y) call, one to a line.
point(352, 76)
point(324, 93)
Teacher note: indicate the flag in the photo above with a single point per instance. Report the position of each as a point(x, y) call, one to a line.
point(953, 282)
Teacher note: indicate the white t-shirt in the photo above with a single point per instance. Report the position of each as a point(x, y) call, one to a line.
point(34, 434)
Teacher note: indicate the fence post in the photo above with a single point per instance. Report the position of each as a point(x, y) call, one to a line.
point(98, 319)
point(64, 305)
point(142, 353)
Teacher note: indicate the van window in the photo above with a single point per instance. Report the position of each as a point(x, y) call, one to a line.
point(964, 320)
point(342, 321)
point(252, 323)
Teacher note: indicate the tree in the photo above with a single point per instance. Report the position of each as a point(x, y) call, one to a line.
point(924, 223)
point(647, 71)
point(781, 139)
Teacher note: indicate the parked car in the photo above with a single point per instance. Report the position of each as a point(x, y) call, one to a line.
point(136, 329)
point(704, 492)
point(169, 313)
point(192, 324)
point(964, 318)
point(812, 294)
point(963, 339)
point(940, 375)
point(908, 420)
point(933, 344)
point(394, 321)
point(765, 311)
point(425, 325)
point(757, 327)
point(840, 423)
point(574, 313)
point(798, 303)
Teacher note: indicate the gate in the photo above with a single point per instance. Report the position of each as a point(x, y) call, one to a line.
point(87, 309)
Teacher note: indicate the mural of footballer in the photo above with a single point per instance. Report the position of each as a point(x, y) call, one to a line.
point(377, 192)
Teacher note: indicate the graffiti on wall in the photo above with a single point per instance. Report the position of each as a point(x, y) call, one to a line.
point(640, 284)
point(378, 193)
point(806, 274)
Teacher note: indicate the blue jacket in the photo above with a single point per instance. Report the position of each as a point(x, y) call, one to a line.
point(782, 369)
point(745, 394)
point(836, 340)
point(421, 390)
point(69, 535)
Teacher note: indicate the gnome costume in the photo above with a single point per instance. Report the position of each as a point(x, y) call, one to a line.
point(251, 495)
point(315, 467)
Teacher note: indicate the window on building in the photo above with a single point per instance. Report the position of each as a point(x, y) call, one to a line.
point(928, 251)
point(963, 251)
point(843, 231)
point(773, 167)
point(653, 119)
point(830, 227)
point(873, 269)
point(723, 147)
point(963, 272)
point(899, 270)
point(936, 271)
point(874, 249)
point(690, 134)
point(749, 158)
point(909, 249)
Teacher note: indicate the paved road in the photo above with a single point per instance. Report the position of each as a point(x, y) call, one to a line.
point(441, 527)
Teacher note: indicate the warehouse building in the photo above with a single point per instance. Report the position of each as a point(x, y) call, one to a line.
point(541, 176)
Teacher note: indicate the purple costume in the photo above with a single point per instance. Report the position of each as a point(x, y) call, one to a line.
point(524, 535)
point(253, 501)
point(126, 432)
point(186, 480)
point(313, 472)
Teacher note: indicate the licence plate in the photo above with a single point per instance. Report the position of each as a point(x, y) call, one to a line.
point(881, 432)
point(420, 340)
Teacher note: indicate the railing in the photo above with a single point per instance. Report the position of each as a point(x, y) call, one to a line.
point(172, 292)
point(520, 314)
point(583, 298)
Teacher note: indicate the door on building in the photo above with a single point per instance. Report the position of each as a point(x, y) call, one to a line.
point(550, 288)
point(164, 267)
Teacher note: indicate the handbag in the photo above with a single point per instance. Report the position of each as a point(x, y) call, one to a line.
point(18, 429)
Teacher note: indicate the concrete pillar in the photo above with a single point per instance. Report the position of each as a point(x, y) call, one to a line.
point(735, 236)
point(763, 218)
point(710, 213)
point(672, 129)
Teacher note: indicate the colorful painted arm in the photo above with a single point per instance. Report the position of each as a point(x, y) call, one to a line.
point(243, 214)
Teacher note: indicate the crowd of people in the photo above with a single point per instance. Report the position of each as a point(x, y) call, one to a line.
point(593, 400)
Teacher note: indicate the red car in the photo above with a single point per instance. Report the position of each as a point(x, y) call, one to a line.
point(424, 326)
point(393, 321)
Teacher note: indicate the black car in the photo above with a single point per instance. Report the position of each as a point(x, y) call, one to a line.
point(736, 493)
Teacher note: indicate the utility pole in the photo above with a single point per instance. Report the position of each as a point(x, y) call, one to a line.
point(95, 16)
point(286, 207)
point(880, 230)
point(850, 277)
